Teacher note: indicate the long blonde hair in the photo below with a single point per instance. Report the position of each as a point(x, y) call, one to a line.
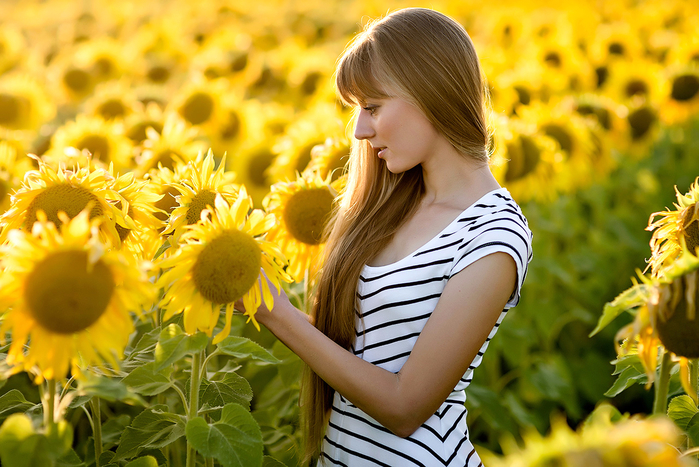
point(428, 59)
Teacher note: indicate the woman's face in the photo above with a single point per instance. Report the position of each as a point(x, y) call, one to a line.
point(398, 131)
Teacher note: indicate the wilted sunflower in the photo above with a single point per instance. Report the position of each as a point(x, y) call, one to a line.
point(53, 191)
point(69, 296)
point(666, 315)
point(303, 208)
point(219, 261)
point(633, 441)
point(199, 190)
point(90, 138)
point(674, 231)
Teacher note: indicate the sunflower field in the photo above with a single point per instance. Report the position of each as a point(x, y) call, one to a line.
point(156, 156)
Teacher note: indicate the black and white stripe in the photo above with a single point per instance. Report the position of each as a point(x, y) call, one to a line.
point(395, 302)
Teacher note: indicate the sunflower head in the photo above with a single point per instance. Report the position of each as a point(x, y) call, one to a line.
point(304, 207)
point(53, 192)
point(204, 181)
point(674, 230)
point(220, 261)
point(69, 297)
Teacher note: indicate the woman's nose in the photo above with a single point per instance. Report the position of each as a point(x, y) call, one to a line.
point(363, 128)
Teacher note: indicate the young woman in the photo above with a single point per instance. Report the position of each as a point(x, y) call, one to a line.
point(425, 255)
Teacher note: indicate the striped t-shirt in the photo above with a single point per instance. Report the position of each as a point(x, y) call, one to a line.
point(395, 302)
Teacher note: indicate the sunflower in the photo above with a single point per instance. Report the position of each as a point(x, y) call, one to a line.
point(161, 182)
point(682, 101)
point(199, 190)
point(24, 103)
point(12, 170)
point(149, 115)
point(69, 298)
point(232, 129)
point(309, 130)
point(54, 191)
point(199, 102)
point(251, 164)
point(637, 83)
point(524, 160)
point(12, 46)
point(674, 230)
point(665, 315)
point(176, 142)
point(599, 441)
point(574, 138)
point(615, 42)
point(90, 138)
point(112, 100)
point(303, 207)
point(220, 261)
point(135, 218)
point(330, 157)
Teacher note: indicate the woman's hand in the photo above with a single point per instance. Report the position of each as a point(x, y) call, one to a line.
point(281, 306)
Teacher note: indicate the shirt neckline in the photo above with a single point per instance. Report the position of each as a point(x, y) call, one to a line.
point(454, 221)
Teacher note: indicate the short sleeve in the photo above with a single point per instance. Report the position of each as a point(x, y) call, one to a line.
point(508, 234)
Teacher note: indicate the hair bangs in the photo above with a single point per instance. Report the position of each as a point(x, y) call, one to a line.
point(356, 79)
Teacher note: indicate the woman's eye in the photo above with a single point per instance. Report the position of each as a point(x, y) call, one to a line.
point(371, 109)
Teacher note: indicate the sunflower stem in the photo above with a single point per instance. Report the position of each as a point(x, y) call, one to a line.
point(96, 410)
point(661, 385)
point(195, 380)
point(50, 407)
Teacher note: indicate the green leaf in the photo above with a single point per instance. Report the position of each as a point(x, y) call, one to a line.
point(233, 388)
point(146, 461)
point(242, 347)
point(684, 412)
point(71, 459)
point(632, 297)
point(153, 428)
point(236, 440)
point(146, 381)
point(108, 389)
point(13, 401)
point(269, 461)
point(627, 378)
point(174, 344)
point(681, 410)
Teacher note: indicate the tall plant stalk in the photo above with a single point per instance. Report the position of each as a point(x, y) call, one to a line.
point(661, 384)
point(96, 410)
point(193, 411)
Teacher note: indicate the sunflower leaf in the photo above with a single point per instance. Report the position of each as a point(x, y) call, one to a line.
point(236, 440)
point(147, 382)
point(21, 446)
point(682, 410)
point(242, 347)
point(13, 401)
point(108, 389)
point(269, 461)
point(153, 428)
point(630, 298)
point(174, 344)
point(233, 388)
point(627, 378)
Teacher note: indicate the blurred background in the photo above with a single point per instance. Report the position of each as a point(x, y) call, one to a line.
point(594, 119)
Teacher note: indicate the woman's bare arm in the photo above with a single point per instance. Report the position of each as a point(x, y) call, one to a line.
point(464, 316)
